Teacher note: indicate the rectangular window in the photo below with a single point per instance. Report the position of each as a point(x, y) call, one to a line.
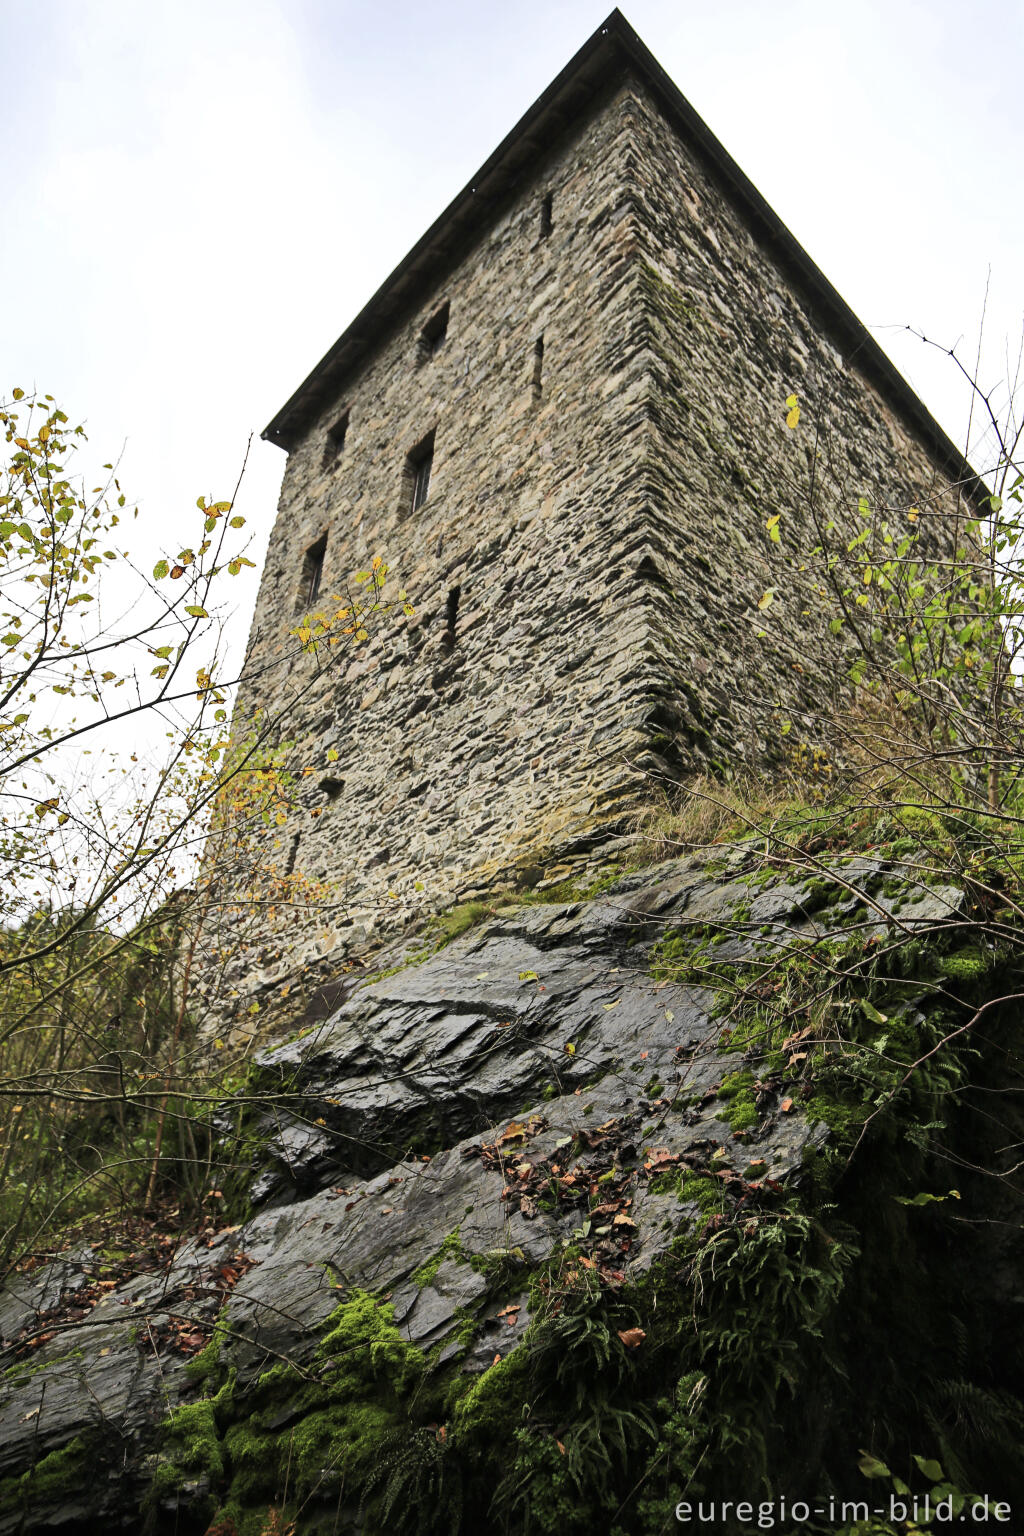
point(418, 466)
point(546, 221)
point(312, 571)
point(335, 441)
point(433, 334)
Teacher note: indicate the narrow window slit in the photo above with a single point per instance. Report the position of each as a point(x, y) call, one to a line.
point(293, 853)
point(546, 221)
point(451, 615)
point(335, 442)
point(418, 465)
point(312, 573)
point(538, 368)
point(434, 333)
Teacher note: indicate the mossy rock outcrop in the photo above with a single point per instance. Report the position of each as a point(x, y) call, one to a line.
point(696, 1191)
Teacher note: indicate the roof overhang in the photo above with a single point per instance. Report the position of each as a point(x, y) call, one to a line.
point(611, 55)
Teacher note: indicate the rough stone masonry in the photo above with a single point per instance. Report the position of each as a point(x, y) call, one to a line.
point(561, 423)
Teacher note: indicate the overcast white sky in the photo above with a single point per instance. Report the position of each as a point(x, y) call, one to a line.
point(200, 194)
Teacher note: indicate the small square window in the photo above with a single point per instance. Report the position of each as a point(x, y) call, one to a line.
point(433, 334)
point(417, 468)
point(312, 572)
point(335, 441)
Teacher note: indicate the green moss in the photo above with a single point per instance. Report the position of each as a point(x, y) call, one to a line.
point(22, 1370)
point(206, 1366)
point(190, 1447)
point(966, 964)
point(451, 1248)
point(740, 1106)
point(703, 1190)
point(56, 1476)
point(416, 958)
point(299, 1427)
point(492, 1403)
point(458, 920)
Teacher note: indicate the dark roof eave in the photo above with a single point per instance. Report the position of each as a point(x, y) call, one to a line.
point(583, 77)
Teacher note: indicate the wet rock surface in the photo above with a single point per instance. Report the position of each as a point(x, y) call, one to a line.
point(547, 1067)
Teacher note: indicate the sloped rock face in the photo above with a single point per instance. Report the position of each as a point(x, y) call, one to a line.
point(449, 1135)
point(543, 1000)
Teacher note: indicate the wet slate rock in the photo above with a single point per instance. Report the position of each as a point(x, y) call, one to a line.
point(541, 998)
point(474, 1043)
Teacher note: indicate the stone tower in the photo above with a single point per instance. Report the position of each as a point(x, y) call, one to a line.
point(561, 423)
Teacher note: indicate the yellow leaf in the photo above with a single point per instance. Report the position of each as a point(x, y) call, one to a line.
point(913, 515)
point(792, 411)
point(767, 600)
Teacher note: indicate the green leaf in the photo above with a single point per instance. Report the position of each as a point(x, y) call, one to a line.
point(196, 611)
point(931, 1469)
point(160, 570)
point(871, 1012)
point(871, 1466)
point(237, 522)
point(924, 1198)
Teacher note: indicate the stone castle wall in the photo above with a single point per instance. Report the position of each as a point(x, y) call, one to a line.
point(729, 338)
point(468, 756)
point(586, 569)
